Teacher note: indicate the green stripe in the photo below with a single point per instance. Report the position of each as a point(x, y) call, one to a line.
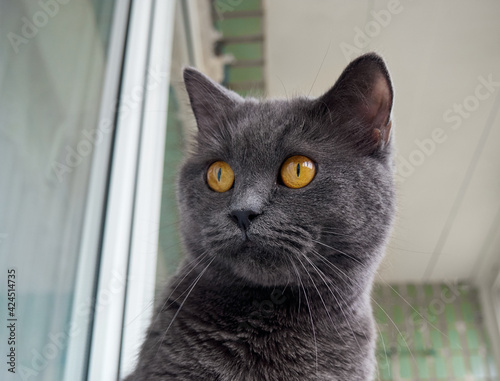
point(436, 339)
point(244, 74)
point(398, 315)
point(453, 339)
point(412, 290)
point(423, 367)
point(472, 340)
point(419, 344)
point(429, 290)
point(405, 367)
point(440, 367)
point(380, 315)
point(458, 366)
point(244, 51)
point(450, 313)
point(238, 27)
point(467, 312)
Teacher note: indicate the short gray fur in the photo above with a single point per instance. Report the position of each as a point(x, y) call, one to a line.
point(292, 301)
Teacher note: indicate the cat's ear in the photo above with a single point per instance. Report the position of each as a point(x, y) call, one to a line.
point(363, 96)
point(210, 101)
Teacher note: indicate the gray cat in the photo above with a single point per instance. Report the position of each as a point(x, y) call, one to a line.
point(286, 207)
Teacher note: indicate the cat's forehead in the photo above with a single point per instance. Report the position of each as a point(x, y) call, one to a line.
point(267, 130)
point(263, 133)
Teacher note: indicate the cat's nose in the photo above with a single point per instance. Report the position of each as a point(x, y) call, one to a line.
point(243, 218)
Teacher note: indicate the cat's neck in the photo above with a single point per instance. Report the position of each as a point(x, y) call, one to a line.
point(326, 297)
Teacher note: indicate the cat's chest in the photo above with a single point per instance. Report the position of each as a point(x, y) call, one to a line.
point(265, 355)
point(267, 335)
point(267, 343)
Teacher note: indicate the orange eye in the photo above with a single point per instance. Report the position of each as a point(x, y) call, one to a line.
point(220, 176)
point(297, 171)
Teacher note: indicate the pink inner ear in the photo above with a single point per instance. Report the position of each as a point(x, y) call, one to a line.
point(379, 109)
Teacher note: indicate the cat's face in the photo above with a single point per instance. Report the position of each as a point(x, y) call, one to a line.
point(295, 182)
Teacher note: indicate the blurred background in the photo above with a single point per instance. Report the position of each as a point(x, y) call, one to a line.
point(94, 121)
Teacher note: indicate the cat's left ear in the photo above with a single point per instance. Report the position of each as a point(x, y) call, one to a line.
point(363, 94)
point(210, 101)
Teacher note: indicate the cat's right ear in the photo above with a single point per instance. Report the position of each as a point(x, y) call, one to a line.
point(210, 101)
point(362, 99)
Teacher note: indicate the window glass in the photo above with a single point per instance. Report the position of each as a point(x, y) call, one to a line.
point(51, 74)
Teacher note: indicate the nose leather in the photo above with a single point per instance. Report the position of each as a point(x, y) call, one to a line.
point(243, 218)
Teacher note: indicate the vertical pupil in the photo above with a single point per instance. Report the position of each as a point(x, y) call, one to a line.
point(219, 174)
point(298, 170)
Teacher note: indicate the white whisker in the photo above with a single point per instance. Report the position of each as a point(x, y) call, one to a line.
point(310, 316)
point(195, 282)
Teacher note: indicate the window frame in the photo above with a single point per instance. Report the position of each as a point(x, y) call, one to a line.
point(126, 266)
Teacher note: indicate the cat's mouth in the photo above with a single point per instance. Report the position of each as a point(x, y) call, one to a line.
point(267, 256)
point(265, 253)
point(248, 243)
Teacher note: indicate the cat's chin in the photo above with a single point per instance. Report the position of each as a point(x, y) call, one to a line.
point(258, 276)
point(253, 263)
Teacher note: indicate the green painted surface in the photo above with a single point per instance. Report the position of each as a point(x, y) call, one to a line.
point(458, 366)
point(423, 368)
point(244, 74)
point(244, 51)
point(472, 340)
point(419, 344)
point(429, 290)
point(467, 312)
point(385, 370)
point(238, 27)
point(246, 80)
point(440, 364)
point(436, 339)
point(449, 311)
point(411, 289)
point(380, 315)
point(405, 371)
point(395, 291)
point(450, 344)
point(453, 339)
point(398, 316)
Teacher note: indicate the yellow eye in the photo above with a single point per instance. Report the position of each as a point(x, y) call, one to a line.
point(297, 171)
point(220, 176)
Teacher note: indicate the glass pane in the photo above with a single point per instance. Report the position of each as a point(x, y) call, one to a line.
point(51, 74)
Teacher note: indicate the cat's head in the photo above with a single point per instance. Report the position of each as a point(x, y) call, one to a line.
point(277, 186)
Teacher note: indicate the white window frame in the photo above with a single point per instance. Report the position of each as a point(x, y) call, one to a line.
point(146, 222)
point(129, 248)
